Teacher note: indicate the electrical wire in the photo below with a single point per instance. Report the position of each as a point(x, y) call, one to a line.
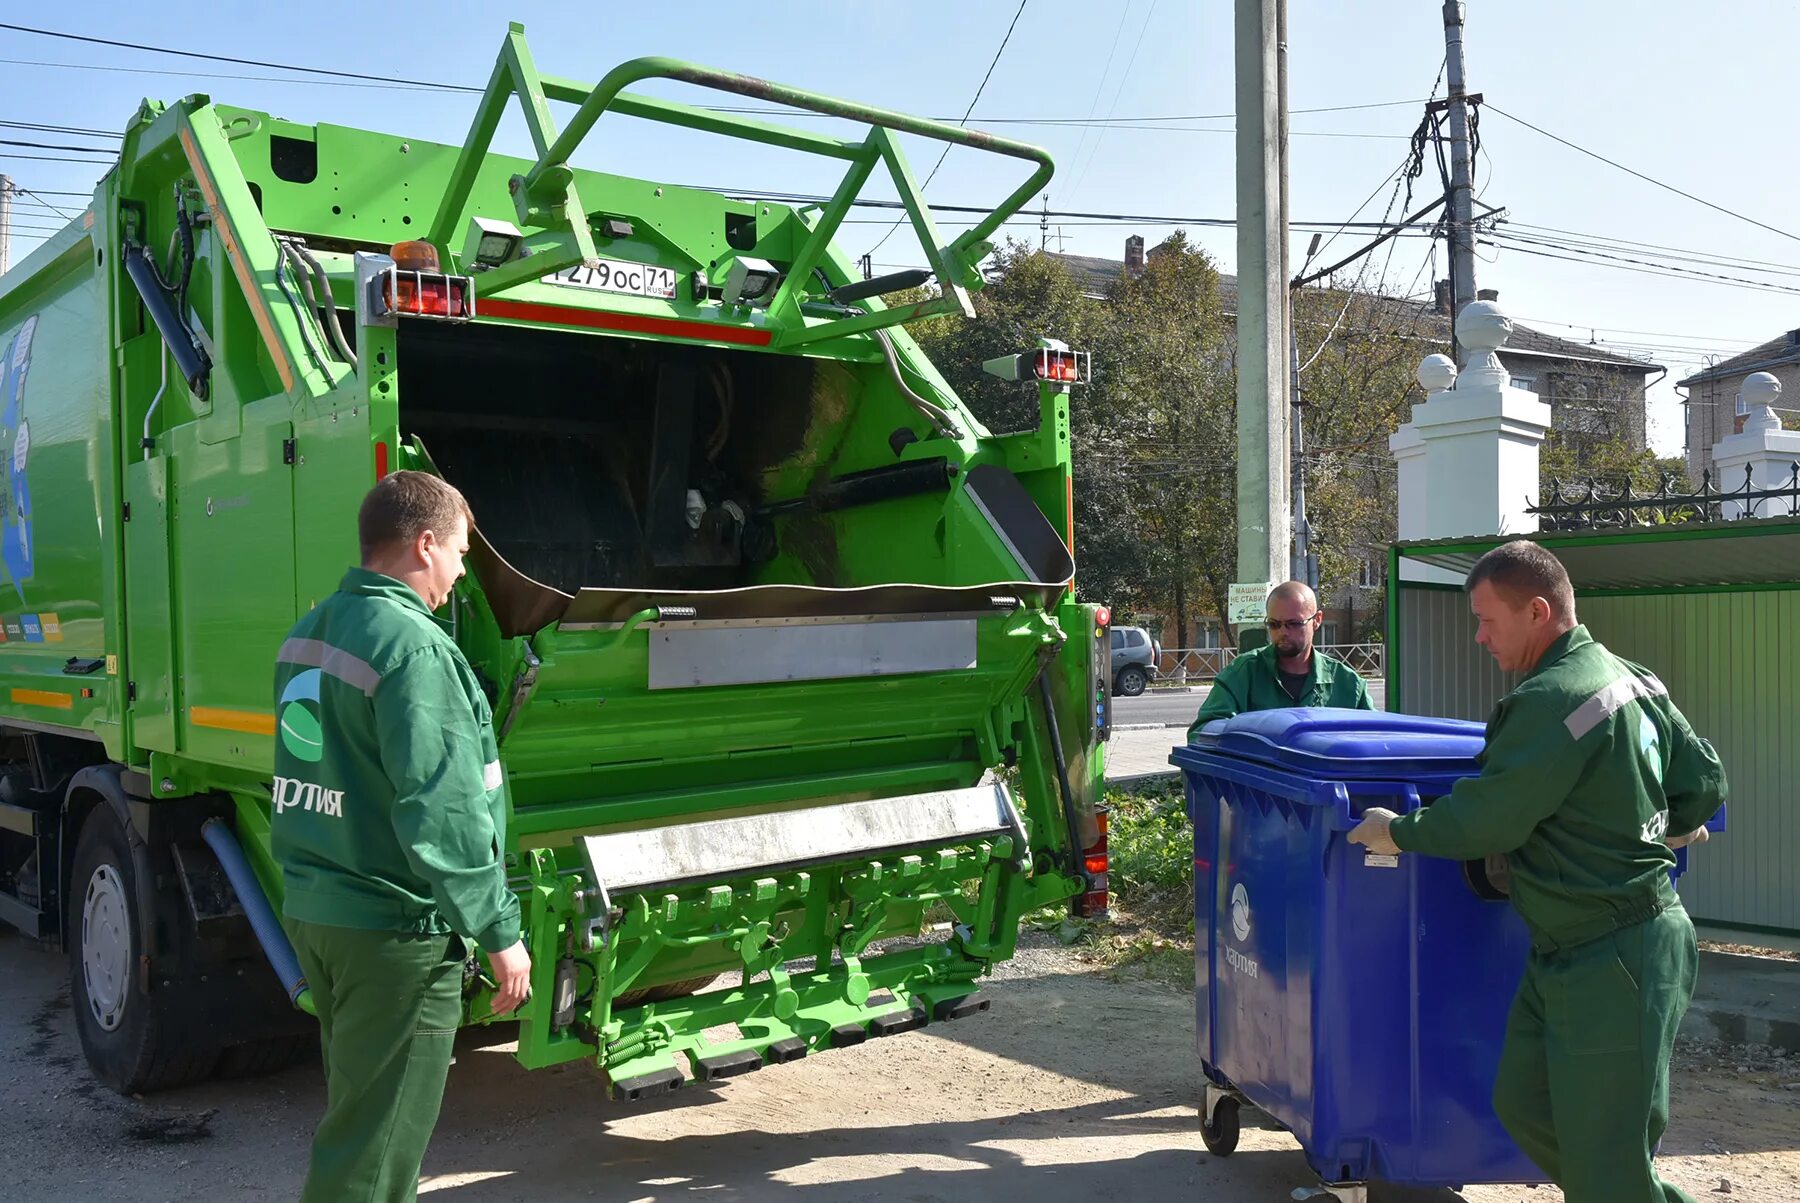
point(223, 58)
point(40, 200)
point(1124, 75)
point(1640, 175)
point(41, 128)
point(271, 79)
point(98, 150)
point(995, 62)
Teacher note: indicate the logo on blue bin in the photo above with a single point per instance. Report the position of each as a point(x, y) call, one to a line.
point(1240, 912)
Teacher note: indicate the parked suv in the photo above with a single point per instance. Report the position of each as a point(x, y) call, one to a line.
point(1134, 659)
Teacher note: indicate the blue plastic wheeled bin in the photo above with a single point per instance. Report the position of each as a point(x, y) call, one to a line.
point(1360, 1001)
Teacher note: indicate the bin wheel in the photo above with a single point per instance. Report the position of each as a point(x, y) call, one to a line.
point(1221, 1135)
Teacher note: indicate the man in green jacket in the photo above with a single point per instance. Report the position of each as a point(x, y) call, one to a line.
point(388, 820)
point(1286, 671)
point(1590, 777)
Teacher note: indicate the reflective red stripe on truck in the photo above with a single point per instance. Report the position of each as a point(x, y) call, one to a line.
point(626, 323)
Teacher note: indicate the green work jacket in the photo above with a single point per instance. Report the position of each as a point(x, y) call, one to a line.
point(387, 808)
point(1252, 681)
point(1588, 765)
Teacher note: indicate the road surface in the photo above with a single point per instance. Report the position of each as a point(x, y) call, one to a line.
point(1178, 709)
point(1075, 1088)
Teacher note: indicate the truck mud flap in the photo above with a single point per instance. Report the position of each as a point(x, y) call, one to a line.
point(962, 1008)
point(646, 1086)
point(726, 1065)
point(895, 1022)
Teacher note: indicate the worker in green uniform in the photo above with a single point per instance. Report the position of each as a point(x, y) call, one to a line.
point(1590, 777)
point(388, 822)
point(1286, 671)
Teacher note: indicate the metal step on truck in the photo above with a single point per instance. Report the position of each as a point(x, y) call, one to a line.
point(782, 645)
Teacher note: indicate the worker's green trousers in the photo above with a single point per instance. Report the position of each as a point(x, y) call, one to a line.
point(1584, 1078)
point(389, 1004)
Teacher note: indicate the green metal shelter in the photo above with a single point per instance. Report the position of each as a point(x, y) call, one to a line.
point(1713, 608)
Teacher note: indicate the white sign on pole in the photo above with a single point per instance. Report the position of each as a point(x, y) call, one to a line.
point(1246, 605)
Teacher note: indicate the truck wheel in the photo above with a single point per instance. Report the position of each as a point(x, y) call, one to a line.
point(1221, 1136)
point(268, 1055)
point(1132, 680)
point(125, 1036)
point(664, 992)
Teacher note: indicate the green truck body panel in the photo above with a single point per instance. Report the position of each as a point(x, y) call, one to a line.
point(847, 598)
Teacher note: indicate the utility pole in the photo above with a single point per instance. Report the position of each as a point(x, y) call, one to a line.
point(6, 188)
point(1304, 565)
point(1461, 204)
point(1262, 317)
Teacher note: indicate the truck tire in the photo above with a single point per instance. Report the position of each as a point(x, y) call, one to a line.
point(1132, 680)
point(130, 1044)
point(664, 992)
point(268, 1055)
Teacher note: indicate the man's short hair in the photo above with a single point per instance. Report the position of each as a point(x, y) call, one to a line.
point(1522, 570)
point(403, 506)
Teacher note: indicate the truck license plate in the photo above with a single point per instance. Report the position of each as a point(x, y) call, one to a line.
point(611, 275)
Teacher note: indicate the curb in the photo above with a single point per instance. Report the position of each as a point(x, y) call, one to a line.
point(1131, 780)
point(1709, 1021)
point(1146, 726)
point(1745, 1000)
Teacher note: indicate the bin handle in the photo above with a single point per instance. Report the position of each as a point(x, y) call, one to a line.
point(1344, 817)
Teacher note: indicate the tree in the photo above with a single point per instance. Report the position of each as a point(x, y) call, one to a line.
point(1172, 422)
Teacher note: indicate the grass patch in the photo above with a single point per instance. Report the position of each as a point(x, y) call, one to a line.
point(1150, 936)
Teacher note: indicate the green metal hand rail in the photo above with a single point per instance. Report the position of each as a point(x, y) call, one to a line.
point(546, 197)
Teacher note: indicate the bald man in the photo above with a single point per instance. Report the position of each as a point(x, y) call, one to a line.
point(1287, 671)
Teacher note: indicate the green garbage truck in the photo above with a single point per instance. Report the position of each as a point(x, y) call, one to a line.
point(799, 716)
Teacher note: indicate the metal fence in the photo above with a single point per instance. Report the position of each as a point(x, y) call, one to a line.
point(1596, 503)
point(1184, 666)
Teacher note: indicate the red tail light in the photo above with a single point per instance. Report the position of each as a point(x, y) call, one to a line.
point(1095, 902)
point(381, 460)
point(1060, 366)
point(426, 295)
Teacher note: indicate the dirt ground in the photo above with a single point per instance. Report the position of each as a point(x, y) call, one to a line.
point(1074, 1088)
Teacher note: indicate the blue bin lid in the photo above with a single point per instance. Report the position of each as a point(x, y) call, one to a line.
point(1339, 744)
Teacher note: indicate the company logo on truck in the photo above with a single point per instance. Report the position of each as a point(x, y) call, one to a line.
point(298, 717)
point(15, 448)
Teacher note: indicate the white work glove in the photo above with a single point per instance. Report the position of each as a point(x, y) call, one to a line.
point(1372, 832)
point(1698, 835)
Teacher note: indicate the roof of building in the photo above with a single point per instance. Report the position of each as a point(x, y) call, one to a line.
point(1775, 352)
point(1097, 273)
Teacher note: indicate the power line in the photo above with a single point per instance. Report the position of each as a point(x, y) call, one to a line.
point(1640, 175)
point(1666, 273)
point(224, 58)
point(56, 159)
point(40, 200)
point(1112, 108)
point(1100, 85)
point(965, 117)
point(271, 79)
point(1664, 265)
point(58, 129)
point(97, 150)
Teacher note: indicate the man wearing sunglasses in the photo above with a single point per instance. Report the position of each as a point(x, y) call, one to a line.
point(1287, 671)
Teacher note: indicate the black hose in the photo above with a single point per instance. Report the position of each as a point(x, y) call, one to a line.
point(1062, 779)
point(185, 227)
point(887, 483)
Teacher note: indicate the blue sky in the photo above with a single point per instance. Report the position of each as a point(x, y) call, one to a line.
point(1688, 97)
